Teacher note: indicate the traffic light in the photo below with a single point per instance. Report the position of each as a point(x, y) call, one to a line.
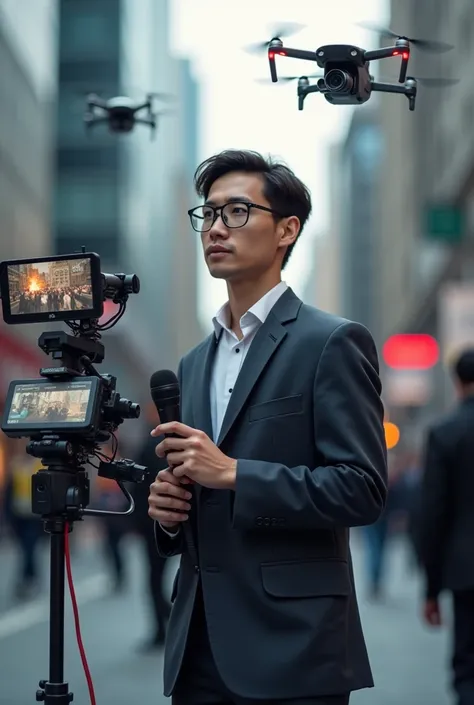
point(411, 351)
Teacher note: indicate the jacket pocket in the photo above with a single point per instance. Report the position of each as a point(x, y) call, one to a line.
point(276, 407)
point(310, 578)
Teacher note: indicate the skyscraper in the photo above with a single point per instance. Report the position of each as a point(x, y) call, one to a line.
point(124, 196)
point(27, 86)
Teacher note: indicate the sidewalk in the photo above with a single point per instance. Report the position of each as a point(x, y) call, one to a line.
point(86, 558)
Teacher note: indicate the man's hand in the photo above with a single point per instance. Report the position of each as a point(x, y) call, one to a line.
point(432, 613)
point(194, 455)
point(166, 495)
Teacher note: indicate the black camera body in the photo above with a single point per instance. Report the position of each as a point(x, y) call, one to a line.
point(71, 409)
point(346, 74)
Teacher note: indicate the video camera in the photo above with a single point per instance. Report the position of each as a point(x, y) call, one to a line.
point(70, 410)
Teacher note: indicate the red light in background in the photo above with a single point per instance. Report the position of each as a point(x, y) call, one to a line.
point(110, 309)
point(411, 351)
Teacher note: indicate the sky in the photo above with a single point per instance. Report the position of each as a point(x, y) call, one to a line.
point(239, 112)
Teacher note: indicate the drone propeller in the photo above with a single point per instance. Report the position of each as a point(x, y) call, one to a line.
point(277, 32)
point(435, 82)
point(430, 82)
point(287, 79)
point(423, 44)
point(160, 96)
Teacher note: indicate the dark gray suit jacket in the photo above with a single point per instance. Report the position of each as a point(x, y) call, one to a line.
point(305, 421)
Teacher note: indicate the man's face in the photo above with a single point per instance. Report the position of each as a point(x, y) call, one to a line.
point(251, 249)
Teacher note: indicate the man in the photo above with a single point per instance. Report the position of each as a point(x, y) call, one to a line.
point(446, 525)
point(282, 438)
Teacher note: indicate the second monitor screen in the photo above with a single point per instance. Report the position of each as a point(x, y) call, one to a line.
point(50, 287)
point(50, 403)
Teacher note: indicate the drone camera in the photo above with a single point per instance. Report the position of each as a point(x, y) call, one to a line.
point(339, 81)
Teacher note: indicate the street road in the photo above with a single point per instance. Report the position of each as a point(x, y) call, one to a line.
point(409, 662)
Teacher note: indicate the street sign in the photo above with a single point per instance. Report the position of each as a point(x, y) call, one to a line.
point(456, 318)
point(444, 223)
point(407, 388)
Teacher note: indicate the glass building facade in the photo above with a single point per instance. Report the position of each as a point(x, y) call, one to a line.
point(27, 87)
point(124, 196)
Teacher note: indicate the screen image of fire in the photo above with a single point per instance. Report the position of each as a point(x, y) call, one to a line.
point(49, 287)
point(49, 404)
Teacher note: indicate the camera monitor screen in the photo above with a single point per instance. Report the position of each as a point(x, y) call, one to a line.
point(67, 287)
point(37, 405)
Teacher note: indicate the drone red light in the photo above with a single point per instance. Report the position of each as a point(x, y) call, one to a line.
point(405, 55)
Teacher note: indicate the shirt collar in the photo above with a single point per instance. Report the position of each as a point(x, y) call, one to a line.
point(256, 314)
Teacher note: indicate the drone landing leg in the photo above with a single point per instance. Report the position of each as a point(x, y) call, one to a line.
point(303, 92)
point(409, 91)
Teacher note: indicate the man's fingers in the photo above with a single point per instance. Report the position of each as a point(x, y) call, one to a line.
point(161, 501)
point(167, 476)
point(164, 516)
point(163, 489)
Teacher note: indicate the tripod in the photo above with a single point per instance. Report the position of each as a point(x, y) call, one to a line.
point(60, 494)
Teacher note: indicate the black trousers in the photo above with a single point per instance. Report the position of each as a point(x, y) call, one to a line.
point(199, 682)
point(463, 647)
point(156, 588)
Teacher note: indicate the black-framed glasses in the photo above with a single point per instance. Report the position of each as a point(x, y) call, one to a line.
point(234, 214)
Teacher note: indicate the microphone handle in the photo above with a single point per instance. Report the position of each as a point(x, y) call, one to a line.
point(167, 414)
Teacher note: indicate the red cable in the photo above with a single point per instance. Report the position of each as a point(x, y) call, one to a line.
point(77, 623)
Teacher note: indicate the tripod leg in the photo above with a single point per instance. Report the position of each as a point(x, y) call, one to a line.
point(55, 691)
point(56, 608)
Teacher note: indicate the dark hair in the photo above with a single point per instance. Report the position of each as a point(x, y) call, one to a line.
point(464, 367)
point(283, 190)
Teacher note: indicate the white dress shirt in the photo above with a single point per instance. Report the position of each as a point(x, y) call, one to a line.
point(231, 351)
point(230, 355)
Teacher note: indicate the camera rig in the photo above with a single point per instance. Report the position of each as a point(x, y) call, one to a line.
point(66, 433)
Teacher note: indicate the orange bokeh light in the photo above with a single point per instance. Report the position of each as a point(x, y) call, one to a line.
point(392, 434)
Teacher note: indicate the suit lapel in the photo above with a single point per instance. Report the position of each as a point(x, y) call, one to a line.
point(267, 340)
point(202, 385)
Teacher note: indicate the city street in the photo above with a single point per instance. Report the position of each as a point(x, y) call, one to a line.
point(408, 662)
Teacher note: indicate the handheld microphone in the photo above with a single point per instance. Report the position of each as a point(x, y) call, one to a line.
point(165, 393)
point(164, 388)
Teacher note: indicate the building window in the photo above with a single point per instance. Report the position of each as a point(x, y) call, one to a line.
point(105, 244)
point(85, 199)
point(90, 28)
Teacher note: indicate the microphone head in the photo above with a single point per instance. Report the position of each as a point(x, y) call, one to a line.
point(164, 387)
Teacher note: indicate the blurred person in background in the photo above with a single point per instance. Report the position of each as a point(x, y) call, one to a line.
point(108, 496)
point(377, 536)
point(144, 527)
point(26, 527)
point(283, 437)
point(446, 516)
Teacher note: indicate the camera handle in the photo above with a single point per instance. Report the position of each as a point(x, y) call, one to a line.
point(60, 495)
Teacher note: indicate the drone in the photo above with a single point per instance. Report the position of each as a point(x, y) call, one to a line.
point(121, 113)
point(346, 79)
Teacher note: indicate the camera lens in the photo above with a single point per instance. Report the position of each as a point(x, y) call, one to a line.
point(338, 80)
